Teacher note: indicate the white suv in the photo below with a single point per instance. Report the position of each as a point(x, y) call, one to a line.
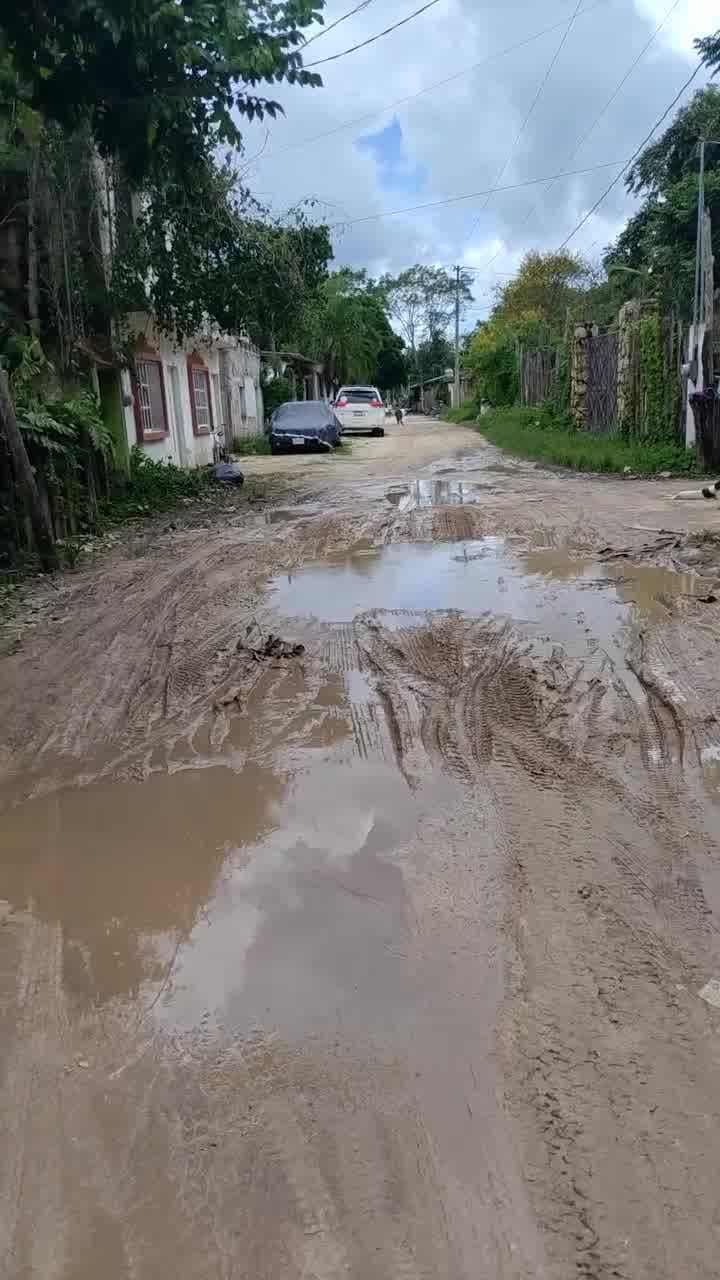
point(360, 409)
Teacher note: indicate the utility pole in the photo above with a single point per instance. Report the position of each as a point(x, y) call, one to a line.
point(697, 317)
point(695, 379)
point(457, 338)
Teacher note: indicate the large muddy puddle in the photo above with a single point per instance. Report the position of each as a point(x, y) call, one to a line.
point(273, 892)
point(576, 601)
point(240, 899)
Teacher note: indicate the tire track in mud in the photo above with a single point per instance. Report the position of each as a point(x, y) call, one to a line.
point(336, 1173)
point(463, 691)
point(324, 1254)
point(607, 1063)
point(606, 920)
point(665, 718)
point(32, 1235)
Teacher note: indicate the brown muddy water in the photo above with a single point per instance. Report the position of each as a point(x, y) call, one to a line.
point(577, 601)
point(258, 890)
point(252, 896)
point(301, 992)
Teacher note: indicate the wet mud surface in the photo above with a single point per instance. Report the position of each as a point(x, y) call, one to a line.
point(359, 879)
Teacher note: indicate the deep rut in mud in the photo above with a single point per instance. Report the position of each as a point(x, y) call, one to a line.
point(359, 880)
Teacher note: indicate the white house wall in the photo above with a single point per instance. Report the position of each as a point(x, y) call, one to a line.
point(234, 386)
point(180, 446)
point(242, 394)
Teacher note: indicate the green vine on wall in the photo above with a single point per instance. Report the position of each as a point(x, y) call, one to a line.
point(558, 400)
point(656, 416)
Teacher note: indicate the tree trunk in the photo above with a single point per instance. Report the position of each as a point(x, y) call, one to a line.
point(33, 293)
point(25, 480)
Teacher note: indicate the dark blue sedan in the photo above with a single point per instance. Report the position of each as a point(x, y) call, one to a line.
point(304, 424)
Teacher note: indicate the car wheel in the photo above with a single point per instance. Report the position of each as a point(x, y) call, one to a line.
point(379, 431)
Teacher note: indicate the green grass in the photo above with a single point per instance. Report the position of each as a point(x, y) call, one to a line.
point(530, 433)
point(245, 446)
point(467, 412)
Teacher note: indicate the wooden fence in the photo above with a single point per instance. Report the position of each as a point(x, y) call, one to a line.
point(627, 378)
point(536, 370)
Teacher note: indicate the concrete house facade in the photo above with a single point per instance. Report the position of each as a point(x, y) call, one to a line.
point(176, 400)
point(180, 400)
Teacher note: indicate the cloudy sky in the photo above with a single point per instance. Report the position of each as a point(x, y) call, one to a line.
point(383, 135)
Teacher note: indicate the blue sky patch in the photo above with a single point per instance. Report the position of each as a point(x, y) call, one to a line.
point(395, 168)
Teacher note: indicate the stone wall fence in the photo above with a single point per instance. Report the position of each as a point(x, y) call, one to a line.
point(580, 373)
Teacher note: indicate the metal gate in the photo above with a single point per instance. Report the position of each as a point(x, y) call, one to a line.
point(602, 382)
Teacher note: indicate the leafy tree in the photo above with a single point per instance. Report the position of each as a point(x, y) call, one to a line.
point(157, 86)
point(656, 249)
point(348, 328)
point(492, 357)
point(709, 47)
point(674, 155)
point(155, 78)
point(534, 303)
point(391, 367)
point(421, 300)
point(276, 391)
point(433, 356)
point(201, 249)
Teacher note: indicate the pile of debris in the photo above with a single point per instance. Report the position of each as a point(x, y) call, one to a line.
point(272, 647)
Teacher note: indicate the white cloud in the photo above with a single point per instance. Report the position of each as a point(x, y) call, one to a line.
point(460, 135)
point(691, 19)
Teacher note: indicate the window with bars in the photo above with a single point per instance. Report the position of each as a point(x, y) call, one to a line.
point(199, 380)
point(150, 410)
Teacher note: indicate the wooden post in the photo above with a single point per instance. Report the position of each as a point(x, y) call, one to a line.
point(25, 480)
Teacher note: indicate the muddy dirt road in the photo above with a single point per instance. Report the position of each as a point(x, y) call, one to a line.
point(391, 957)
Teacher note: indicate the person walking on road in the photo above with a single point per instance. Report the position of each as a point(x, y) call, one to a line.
point(399, 416)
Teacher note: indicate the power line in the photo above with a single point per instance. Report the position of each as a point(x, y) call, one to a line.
point(363, 5)
point(474, 195)
point(603, 111)
point(633, 158)
point(428, 88)
point(531, 108)
point(364, 43)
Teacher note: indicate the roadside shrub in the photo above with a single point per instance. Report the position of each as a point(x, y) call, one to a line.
point(153, 486)
point(70, 448)
point(246, 446)
point(276, 391)
point(535, 434)
point(468, 412)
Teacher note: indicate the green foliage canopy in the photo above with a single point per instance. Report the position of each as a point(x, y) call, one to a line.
point(156, 78)
point(658, 242)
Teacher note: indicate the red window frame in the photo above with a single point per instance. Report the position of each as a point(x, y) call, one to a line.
point(146, 355)
point(196, 365)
